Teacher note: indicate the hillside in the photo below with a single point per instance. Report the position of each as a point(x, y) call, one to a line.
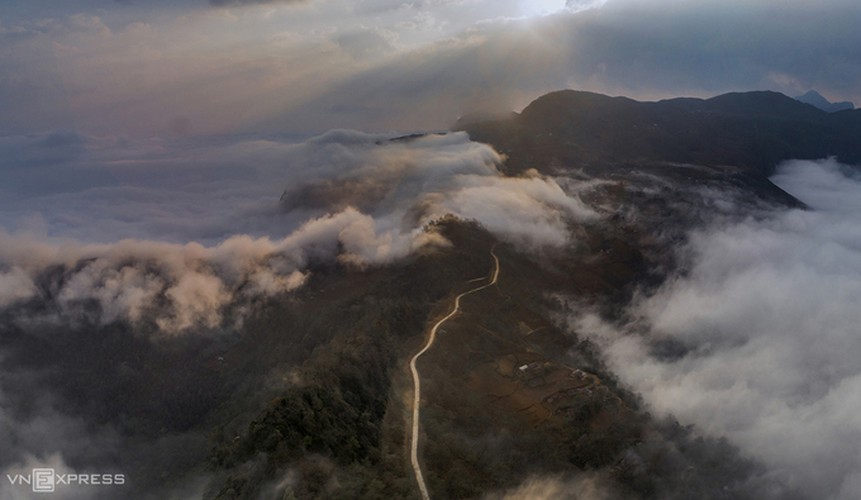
point(508, 394)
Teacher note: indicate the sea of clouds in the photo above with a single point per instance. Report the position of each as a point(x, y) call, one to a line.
point(175, 232)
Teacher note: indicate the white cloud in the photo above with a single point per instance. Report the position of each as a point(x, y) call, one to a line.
point(361, 199)
point(581, 5)
point(768, 318)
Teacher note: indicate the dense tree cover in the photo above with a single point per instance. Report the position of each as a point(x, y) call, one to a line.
point(337, 417)
point(338, 414)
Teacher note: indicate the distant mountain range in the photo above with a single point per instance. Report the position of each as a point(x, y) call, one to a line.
point(814, 98)
point(751, 130)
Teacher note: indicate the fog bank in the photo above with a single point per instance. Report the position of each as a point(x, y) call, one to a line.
point(758, 339)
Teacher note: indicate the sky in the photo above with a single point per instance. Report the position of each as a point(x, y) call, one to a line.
point(195, 67)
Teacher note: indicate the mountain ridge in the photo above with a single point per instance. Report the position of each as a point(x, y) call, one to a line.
point(754, 131)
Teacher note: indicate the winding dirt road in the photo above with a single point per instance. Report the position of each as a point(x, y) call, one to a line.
point(417, 386)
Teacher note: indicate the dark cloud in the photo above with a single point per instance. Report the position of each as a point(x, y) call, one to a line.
point(713, 47)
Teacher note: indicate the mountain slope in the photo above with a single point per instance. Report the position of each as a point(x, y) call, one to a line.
point(507, 394)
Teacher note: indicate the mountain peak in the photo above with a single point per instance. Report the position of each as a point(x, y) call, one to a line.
point(816, 99)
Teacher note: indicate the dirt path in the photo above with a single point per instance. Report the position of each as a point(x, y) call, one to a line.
point(417, 386)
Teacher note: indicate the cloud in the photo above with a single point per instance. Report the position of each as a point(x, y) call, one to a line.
point(411, 181)
point(355, 198)
point(581, 5)
point(757, 340)
point(33, 433)
point(712, 47)
point(15, 285)
point(493, 68)
point(183, 286)
point(229, 3)
point(366, 42)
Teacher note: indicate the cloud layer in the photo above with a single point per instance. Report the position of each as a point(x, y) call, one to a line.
point(359, 199)
point(758, 340)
